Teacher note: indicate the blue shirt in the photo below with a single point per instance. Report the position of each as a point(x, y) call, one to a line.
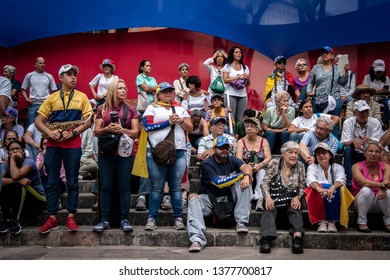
point(311, 140)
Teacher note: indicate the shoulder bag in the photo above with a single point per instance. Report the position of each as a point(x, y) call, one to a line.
point(108, 143)
point(164, 153)
point(281, 195)
point(322, 100)
point(217, 85)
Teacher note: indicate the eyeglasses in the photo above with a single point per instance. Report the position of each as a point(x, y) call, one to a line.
point(224, 147)
point(250, 126)
point(301, 65)
point(219, 124)
point(321, 129)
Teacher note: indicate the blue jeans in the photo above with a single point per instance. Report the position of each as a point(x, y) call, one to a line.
point(144, 186)
point(271, 137)
point(335, 112)
point(115, 169)
point(296, 136)
point(350, 158)
point(303, 94)
point(32, 113)
point(158, 175)
point(53, 158)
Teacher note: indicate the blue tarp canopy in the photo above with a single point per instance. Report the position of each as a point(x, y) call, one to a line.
point(272, 28)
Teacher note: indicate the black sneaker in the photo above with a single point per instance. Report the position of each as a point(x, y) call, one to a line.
point(15, 228)
point(265, 245)
point(4, 226)
point(297, 245)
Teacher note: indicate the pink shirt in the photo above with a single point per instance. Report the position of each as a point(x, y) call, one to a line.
point(363, 168)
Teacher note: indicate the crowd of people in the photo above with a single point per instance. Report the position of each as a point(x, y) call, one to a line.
point(70, 138)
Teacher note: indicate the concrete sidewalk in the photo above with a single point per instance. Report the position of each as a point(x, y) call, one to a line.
point(179, 253)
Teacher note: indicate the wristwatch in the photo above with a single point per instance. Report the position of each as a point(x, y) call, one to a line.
point(74, 132)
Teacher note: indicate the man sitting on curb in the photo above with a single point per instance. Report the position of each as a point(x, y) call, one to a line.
point(224, 192)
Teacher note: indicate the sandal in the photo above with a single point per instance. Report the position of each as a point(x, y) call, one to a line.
point(364, 228)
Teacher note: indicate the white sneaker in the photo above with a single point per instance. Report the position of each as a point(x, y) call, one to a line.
point(332, 227)
point(322, 227)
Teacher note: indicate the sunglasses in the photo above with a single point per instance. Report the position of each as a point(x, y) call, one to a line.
point(281, 62)
point(224, 147)
point(300, 65)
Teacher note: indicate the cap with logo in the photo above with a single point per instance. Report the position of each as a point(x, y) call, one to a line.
point(220, 141)
point(361, 105)
point(68, 67)
point(165, 85)
point(327, 49)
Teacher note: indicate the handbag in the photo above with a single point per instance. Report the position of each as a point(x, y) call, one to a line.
point(108, 143)
point(322, 100)
point(217, 85)
point(281, 195)
point(239, 83)
point(143, 101)
point(223, 211)
point(164, 153)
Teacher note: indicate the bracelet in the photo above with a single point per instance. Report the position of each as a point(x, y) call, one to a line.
point(249, 175)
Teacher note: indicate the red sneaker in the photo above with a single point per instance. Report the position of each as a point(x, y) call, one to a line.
point(49, 225)
point(71, 224)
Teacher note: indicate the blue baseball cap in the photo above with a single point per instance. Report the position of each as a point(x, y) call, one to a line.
point(327, 49)
point(279, 58)
point(165, 85)
point(220, 141)
point(218, 119)
point(12, 112)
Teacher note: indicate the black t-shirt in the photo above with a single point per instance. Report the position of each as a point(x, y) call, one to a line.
point(210, 168)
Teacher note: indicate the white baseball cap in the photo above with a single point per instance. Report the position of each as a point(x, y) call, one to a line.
point(67, 67)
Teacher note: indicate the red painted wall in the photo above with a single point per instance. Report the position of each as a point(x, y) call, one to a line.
point(166, 49)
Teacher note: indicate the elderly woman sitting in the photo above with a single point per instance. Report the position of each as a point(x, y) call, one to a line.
point(283, 188)
point(370, 186)
point(325, 179)
point(277, 119)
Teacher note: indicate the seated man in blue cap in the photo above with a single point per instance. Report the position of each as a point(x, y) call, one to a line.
point(224, 194)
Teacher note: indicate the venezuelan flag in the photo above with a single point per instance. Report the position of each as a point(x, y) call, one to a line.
point(335, 210)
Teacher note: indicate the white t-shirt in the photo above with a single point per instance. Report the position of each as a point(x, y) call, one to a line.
point(35, 133)
point(40, 85)
point(302, 122)
point(102, 83)
point(376, 84)
point(233, 73)
point(160, 114)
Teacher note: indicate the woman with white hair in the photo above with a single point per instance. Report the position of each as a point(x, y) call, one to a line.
point(301, 81)
point(283, 188)
point(9, 72)
point(180, 84)
point(277, 119)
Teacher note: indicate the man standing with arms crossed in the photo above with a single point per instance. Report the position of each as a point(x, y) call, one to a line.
point(63, 145)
